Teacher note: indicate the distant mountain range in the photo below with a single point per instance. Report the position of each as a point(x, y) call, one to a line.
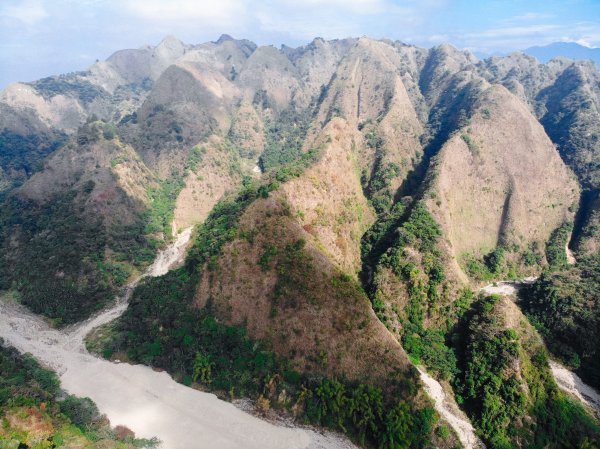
point(570, 50)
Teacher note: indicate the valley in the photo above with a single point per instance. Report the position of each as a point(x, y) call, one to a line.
point(325, 232)
point(149, 402)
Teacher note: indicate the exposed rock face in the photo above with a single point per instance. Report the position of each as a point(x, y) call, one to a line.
point(377, 161)
point(498, 178)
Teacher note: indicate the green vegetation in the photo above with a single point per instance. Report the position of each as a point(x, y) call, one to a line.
point(490, 389)
point(21, 156)
point(565, 308)
point(59, 264)
point(378, 187)
point(423, 283)
point(34, 415)
point(381, 234)
point(532, 256)
point(194, 158)
point(284, 138)
point(68, 265)
point(555, 248)
point(70, 85)
point(163, 198)
point(162, 208)
point(473, 148)
point(376, 184)
point(493, 265)
point(163, 328)
point(505, 378)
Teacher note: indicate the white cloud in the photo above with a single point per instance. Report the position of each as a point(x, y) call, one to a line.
point(28, 12)
point(520, 37)
point(221, 11)
point(359, 7)
point(514, 31)
point(306, 19)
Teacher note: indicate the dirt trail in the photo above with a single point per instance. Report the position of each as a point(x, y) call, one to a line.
point(565, 379)
point(446, 406)
point(572, 384)
point(148, 402)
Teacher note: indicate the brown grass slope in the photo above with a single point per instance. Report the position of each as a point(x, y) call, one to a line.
point(565, 97)
point(220, 171)
point(298, 300)
point(499, 180)
point(328, 200)
point(119, 178)
point(368, 90)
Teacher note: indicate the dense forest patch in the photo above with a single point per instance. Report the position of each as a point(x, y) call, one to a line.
point(504, 379)
point(565, 308)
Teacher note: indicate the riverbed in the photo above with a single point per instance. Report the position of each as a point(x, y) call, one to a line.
point(148, 402)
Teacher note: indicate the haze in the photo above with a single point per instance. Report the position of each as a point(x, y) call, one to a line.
point(42, 37)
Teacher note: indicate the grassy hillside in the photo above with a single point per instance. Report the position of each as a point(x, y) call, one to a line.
point(348, 197)
point(69, 243)
point(165, 328)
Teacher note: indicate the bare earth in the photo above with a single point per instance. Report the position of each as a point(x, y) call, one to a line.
point(148, 402)
point(572, 384)
point(448, 409)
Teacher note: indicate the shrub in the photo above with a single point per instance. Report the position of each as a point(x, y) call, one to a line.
point(81, 411)
point(555, 248)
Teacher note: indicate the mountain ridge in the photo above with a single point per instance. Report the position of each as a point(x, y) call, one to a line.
point(349, 198)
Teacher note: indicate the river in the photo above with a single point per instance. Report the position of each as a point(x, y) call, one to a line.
point(149, 402)
point(152, 404)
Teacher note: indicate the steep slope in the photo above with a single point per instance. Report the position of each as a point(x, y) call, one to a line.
point(369, 93)
point(219, 170)
point(303, 321)
point(24, 142)
point(75, 231)
point(248, 271)
point(348, 195)
point(564, 308)
point(507, 385)
point(499, 182)
point(36, 116)
point(328, 200)
point(564, 96)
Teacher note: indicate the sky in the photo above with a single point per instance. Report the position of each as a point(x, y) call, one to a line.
point(45, 37)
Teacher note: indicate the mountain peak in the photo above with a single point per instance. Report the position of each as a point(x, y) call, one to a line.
point(224, 38)
point(170, 41)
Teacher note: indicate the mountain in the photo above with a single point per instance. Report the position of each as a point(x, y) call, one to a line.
point(570, 50)
point(349, 198)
